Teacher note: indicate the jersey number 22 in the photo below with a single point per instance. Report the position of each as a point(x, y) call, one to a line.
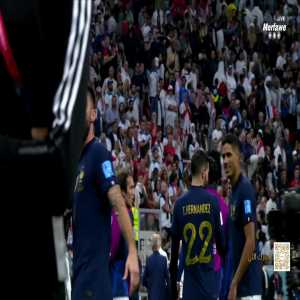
point(202, 258)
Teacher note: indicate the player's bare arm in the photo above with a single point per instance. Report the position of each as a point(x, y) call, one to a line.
point(249, 247)
point(118, 203)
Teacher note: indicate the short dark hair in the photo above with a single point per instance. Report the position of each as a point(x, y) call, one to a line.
point(91, 92)
point(199, 161)
point(173, 176)
point(232, 140)
point(122, 178)
point(215, 173)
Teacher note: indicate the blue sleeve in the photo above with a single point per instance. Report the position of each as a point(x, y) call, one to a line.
point(145, 275)
point(246, 205)
point(175, 224)
point(106, 176)
point(219, 228)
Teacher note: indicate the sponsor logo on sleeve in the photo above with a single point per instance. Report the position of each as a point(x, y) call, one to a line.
point(247, 207)
point(107, 169)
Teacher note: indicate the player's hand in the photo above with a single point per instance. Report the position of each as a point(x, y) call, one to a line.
point(132, 269)
point(39, 134)
point(232, 292)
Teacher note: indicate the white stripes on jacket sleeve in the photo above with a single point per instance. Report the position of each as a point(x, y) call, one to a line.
point(66, 94)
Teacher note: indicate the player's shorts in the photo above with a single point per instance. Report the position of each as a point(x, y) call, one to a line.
point(256, 297)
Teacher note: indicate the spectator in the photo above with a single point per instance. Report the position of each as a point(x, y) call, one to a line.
point(295, 183)
point(271, 204)
point(275, 287)
point(165, 207)
point(171, 108)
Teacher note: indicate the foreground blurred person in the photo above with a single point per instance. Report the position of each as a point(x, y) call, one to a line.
point(42, 115)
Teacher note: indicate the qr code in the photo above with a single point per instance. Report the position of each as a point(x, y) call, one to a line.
point(282, 255)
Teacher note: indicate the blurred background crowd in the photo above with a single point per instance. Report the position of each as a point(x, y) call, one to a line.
point(174, 76)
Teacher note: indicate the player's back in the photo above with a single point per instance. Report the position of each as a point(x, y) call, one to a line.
point(197, 222)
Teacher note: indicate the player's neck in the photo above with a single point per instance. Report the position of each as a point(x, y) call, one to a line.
point(198, 182)
point(90, 135)
point(235, 178)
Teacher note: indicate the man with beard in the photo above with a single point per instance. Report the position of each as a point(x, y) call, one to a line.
point(198, 223)
point(96, 191)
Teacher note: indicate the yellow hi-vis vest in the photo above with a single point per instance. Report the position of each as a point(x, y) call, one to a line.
point(136, 222)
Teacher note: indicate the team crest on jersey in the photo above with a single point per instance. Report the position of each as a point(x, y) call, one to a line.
point(79, 186)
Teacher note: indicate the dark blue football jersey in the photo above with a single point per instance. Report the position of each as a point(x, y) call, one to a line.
point(92, 224)
point(198, 223)
point(242, 212)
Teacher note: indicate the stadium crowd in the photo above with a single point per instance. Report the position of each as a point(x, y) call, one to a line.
point(173, 77)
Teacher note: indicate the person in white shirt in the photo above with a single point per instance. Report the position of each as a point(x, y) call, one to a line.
point(220, 74)
point(146, 30)
point(144, 139)
point(271, 203)
point(158, 18)
point(155, 162)
point(194, 77)
point(186, 72)
point(186, 116)
point(125, 74)
point(140, 192)
point(268, 86)
point(245, 82)
point(258, 16)
point(194, 145)
point(177, 85)
point(165, 207)
point(111, 25)
point(217, 136)
point(230, 81)
point(281, 61)
point(240, 64)
point(93, 75)
point(161, 114)
point(110, 79)
point(279, 152)
point(154, 78)
point(124, 123)
point(171, 108)
point(132, 111)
